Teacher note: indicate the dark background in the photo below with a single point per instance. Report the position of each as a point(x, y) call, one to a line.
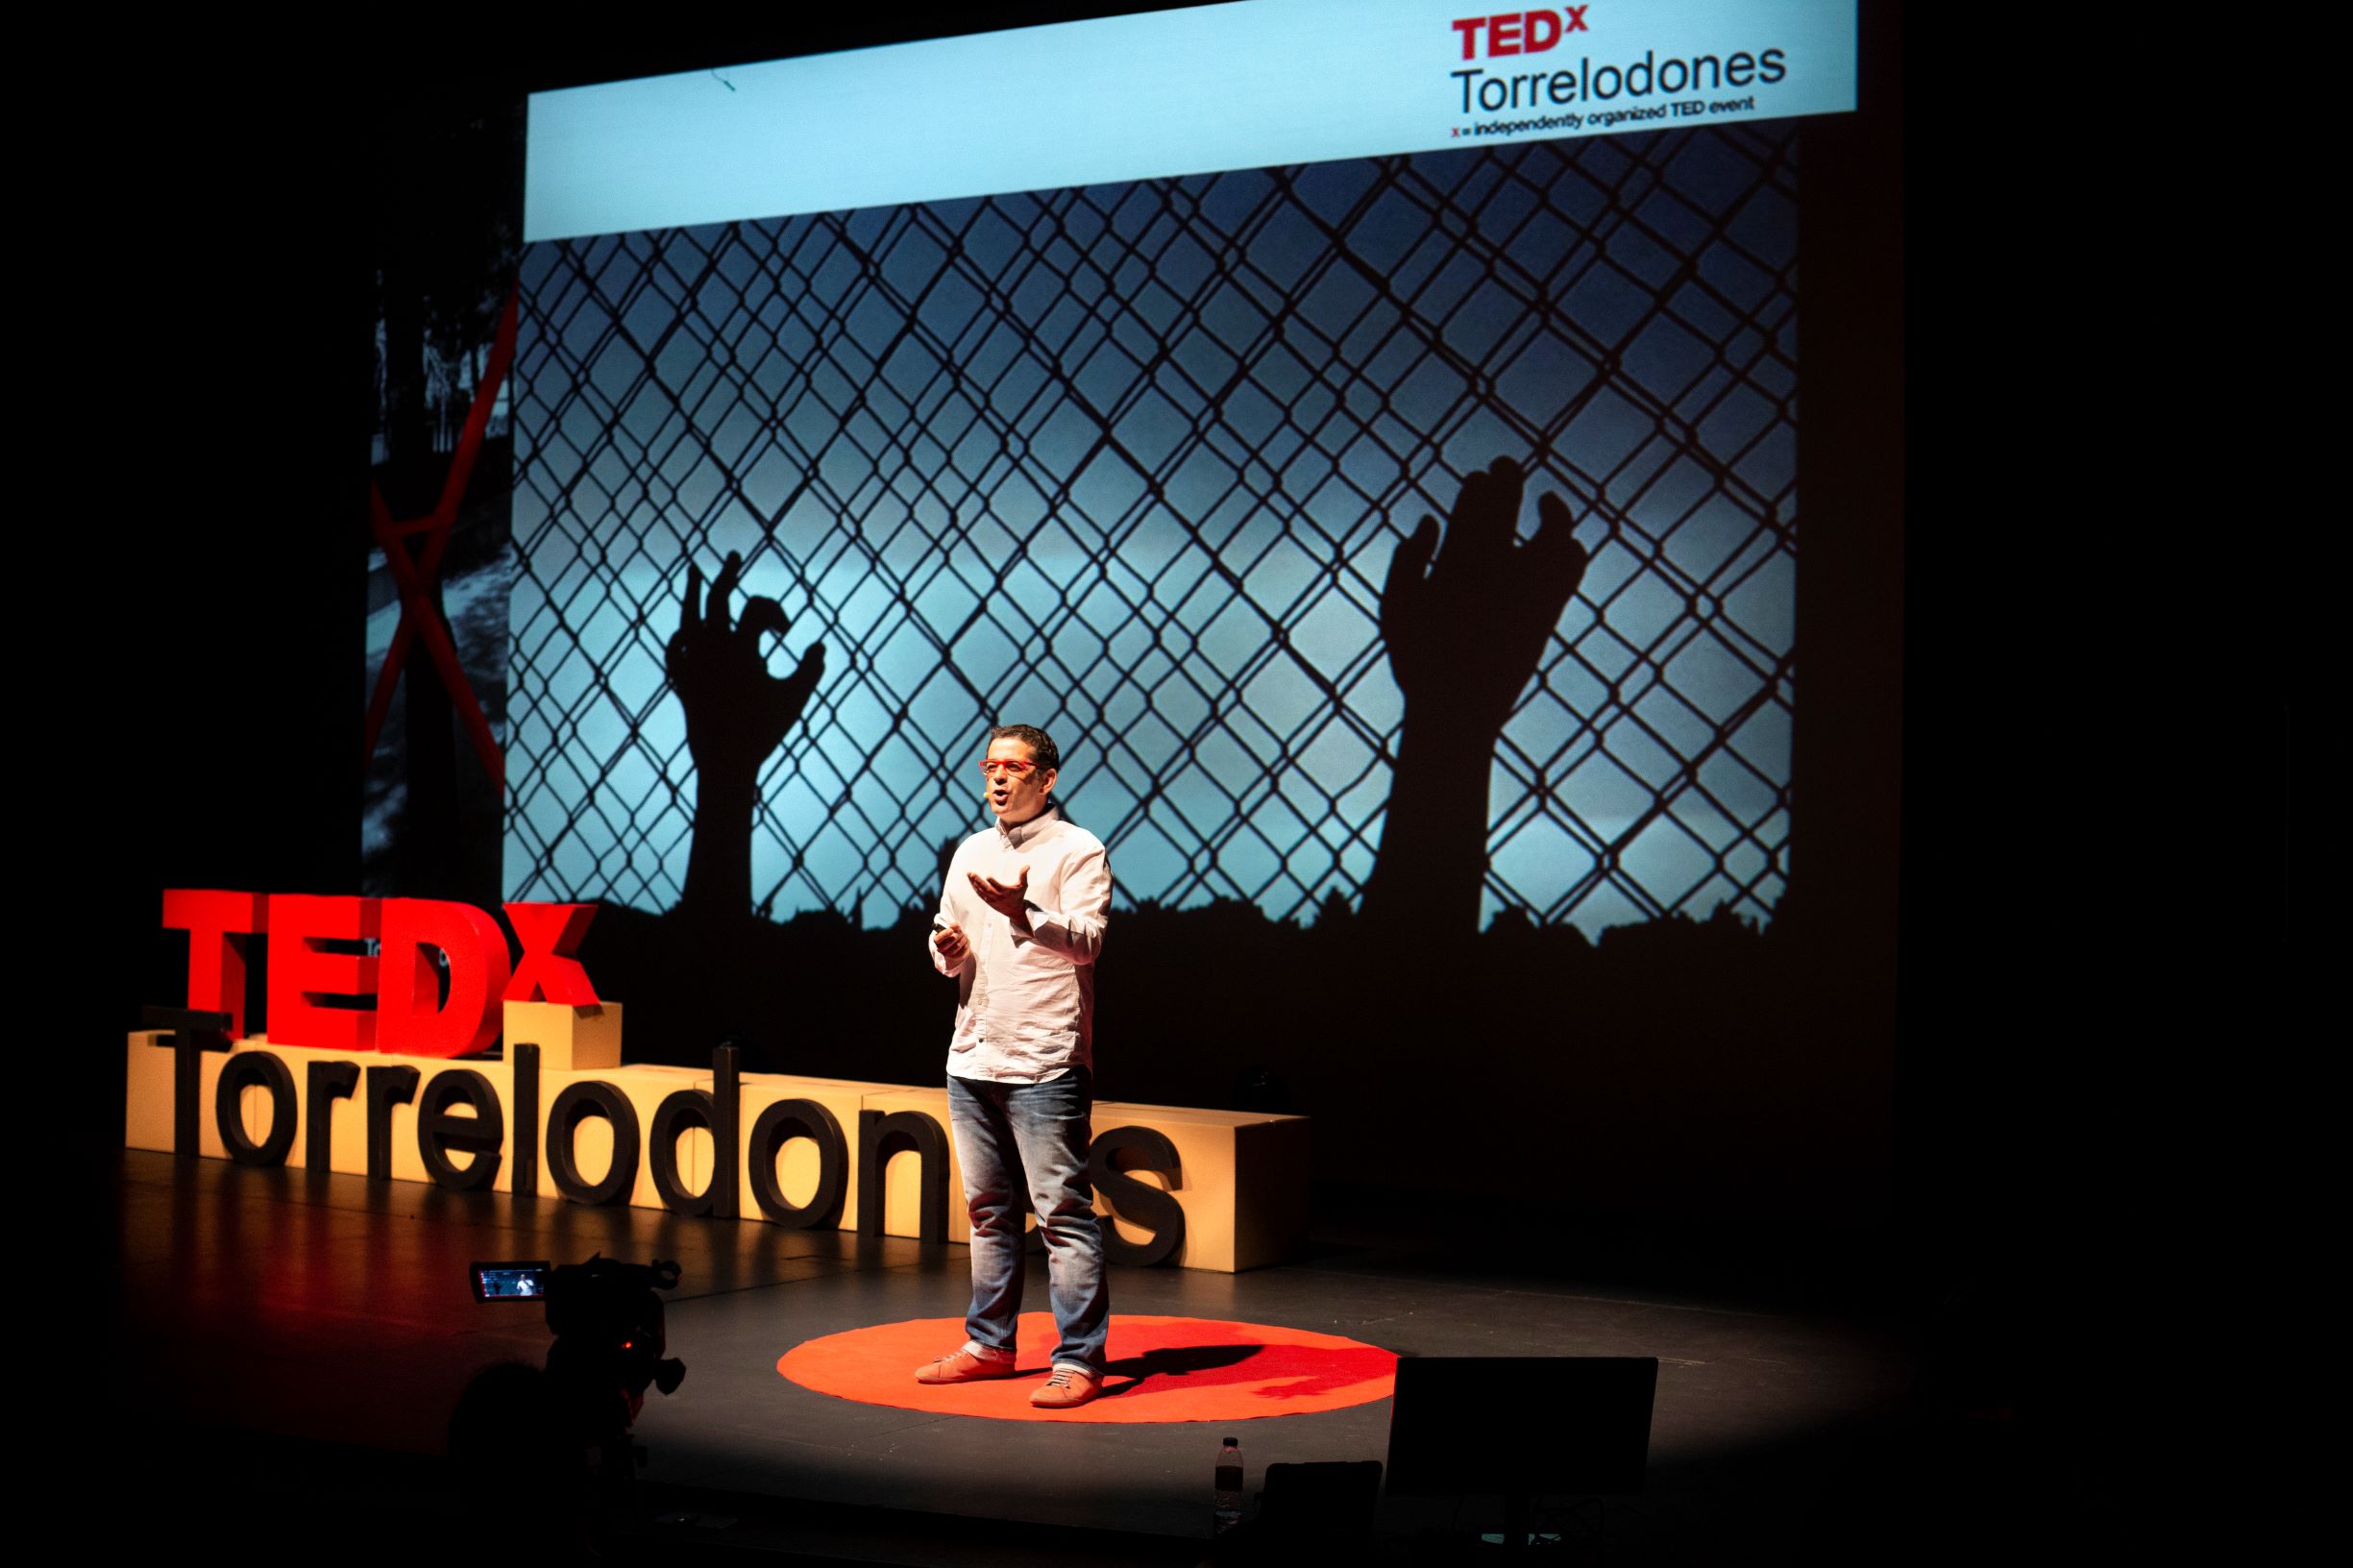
point(2094, 805)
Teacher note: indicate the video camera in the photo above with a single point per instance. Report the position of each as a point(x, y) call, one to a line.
point(607, 1321)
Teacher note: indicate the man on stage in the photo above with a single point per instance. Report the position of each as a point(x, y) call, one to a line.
point(1019, 925)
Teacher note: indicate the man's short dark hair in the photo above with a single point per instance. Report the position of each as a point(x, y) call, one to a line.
point(1041, 745)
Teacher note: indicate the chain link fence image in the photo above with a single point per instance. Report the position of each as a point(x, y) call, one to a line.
point(1129, 463)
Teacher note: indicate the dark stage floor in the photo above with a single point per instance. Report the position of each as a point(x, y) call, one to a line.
point(268, 1318)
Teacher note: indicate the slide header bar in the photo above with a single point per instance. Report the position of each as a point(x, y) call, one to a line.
point(1247, 86)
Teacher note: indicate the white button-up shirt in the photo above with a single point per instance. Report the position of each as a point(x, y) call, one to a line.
point(1025, 1000)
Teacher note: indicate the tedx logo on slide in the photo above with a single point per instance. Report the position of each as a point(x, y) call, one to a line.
point(1574, 91)
point(1518, 32)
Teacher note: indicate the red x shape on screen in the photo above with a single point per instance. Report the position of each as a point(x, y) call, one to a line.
point(416, 572)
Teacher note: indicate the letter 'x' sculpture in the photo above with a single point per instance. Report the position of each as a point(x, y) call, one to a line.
point(413, 572)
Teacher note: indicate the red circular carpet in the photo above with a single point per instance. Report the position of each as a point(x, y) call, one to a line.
point(1161, 1369)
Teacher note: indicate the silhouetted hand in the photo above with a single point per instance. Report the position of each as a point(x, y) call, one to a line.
point(736, 713)
point(1465, 628)
point(1466, 633)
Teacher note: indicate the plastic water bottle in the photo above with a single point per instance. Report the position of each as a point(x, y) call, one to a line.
point(1229, 1484)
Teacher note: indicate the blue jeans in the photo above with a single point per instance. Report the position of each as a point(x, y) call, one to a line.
point(1003, 1131)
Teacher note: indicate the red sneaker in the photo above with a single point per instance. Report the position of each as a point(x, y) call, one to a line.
point(1066, 1389)
point(966, 1366)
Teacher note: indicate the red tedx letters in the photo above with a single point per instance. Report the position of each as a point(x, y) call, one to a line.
point(304, 972)
point(391, 999)
point(1519, 32)
point(550, 934)
point(219, 924)
point(413, 1018)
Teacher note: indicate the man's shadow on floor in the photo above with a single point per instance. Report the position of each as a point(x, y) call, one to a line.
point(1171, 1361)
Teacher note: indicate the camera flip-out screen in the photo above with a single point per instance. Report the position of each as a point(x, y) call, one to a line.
point(510, 1281)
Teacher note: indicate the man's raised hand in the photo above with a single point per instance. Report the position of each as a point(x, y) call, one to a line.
point(1007, 898)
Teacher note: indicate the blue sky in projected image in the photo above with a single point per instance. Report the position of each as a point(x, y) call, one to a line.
point(1073, 457)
